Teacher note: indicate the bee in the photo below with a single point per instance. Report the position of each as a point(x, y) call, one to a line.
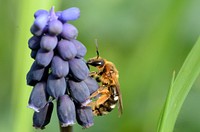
point(108, 93)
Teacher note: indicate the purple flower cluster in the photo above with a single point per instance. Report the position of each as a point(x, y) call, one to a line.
point(59, 71)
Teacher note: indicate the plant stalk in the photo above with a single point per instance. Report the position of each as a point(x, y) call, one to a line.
point(66, 129)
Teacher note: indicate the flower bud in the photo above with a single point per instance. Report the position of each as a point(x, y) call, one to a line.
point(81, 49)
point(35, 31)
point(56, 87)
point(43, 58)
point(69, 14)
point(48, 42)
point(34, 43)
point(66, 49)
point(79, 69)
point(55, 27)
point(40, 12)
point(79, 91)
point(33, 53)
point(59, 67)
point(58, 13)
point(69, 31)
point(35, 74)
point(39, 24)
point(38, 98)
point(41, 21)
point(42, 118)
point(91, 84)
point(84, 116)
point(66, 111)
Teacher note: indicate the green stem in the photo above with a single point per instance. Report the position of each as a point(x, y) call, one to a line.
point(66, 129)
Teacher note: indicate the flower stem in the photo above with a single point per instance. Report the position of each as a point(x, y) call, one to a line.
point(66, 129)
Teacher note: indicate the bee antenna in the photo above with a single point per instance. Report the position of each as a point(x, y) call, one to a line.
point(97, 51)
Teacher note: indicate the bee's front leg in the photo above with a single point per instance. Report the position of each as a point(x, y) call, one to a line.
point(93, 74)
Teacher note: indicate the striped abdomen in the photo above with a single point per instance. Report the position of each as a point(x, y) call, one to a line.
point(108, 105)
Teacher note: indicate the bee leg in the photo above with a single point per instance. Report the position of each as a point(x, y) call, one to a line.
point(93, 74)
point(92, 104)
point(102, 99)
point(99, 91)
point(104, 96)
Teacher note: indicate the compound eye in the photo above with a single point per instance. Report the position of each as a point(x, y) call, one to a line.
point(99, 63)
point(96, 63)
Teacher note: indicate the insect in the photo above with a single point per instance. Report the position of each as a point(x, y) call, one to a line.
point(108, 93)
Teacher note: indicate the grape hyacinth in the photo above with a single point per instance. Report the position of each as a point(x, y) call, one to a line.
point(59, 73)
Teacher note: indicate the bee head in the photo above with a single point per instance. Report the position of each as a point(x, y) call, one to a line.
point(96, 62)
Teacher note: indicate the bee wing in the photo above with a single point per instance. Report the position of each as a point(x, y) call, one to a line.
point(120, 107)
point(115, 76)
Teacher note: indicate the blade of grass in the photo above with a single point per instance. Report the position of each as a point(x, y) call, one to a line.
point(179, 89)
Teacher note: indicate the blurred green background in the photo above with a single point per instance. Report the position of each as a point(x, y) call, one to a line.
point(146, 39)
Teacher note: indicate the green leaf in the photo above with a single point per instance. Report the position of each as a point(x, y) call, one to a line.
point(179, 89)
